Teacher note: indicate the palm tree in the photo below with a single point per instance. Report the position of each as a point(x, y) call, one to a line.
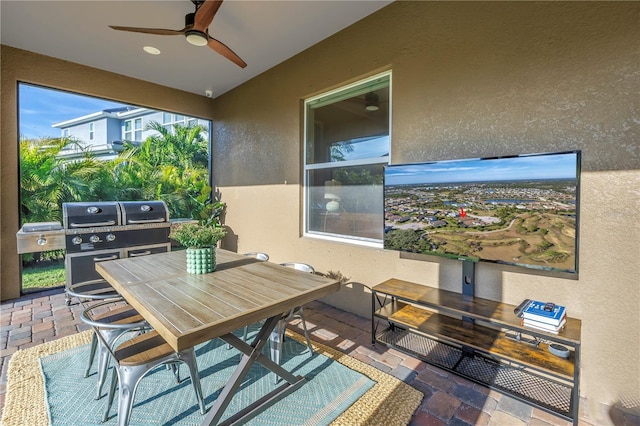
point(47, 181)
point(172, 166)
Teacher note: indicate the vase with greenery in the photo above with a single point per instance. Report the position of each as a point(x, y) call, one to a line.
point(200, 239)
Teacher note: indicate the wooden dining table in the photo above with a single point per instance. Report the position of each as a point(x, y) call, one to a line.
point(189, 309)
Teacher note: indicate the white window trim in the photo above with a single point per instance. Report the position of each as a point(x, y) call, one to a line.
point(359, 241)
point(348, 163)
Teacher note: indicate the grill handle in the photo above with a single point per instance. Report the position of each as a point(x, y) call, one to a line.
point(136, 222)
point(93, 225)
point(104, 259)
point(140, 253)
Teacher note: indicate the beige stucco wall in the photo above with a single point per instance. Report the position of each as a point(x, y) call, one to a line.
point(469, 79)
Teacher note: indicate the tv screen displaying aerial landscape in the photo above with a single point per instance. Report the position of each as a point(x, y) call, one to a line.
point(520, 210)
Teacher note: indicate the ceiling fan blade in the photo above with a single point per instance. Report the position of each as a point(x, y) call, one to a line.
point(222, 49)
point(205, 13)
point(156, 31)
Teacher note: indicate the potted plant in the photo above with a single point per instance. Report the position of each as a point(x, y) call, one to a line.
point(200, 239)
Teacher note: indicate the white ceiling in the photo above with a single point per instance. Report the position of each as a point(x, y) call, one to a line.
point(263, 33)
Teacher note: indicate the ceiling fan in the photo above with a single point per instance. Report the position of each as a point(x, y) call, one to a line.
point(195, 29)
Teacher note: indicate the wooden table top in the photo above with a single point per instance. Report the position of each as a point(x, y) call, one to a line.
point(188, 309)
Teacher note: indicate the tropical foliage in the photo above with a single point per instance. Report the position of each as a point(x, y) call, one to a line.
point(169, 166)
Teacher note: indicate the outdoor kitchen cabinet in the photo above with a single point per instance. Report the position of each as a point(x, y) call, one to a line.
point(481, 340)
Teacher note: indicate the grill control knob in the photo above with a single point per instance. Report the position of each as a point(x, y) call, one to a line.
point(76, 240)
point(110, 237)
point(94, 239)
point(42, 241)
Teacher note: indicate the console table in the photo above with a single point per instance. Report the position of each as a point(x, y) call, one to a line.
point(481, 340)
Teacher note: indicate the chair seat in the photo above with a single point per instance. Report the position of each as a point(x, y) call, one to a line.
point(142, 349)
point(124, 314)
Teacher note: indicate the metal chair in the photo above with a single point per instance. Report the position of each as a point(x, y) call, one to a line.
point(134, 359)
point(92, 290)
point(110, 310)
point(115, 318)
point(277, 337)
point(258, 255)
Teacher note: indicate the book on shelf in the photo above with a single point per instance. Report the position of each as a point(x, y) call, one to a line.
point(535, 311)
point(543, 326)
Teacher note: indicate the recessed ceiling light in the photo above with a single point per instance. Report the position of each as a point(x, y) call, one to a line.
point(151, 50)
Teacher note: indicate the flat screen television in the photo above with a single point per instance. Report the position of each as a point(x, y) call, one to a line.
point(519, 210)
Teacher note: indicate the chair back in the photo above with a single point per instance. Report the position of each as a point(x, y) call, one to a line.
point(304, 267)
point(258, 255)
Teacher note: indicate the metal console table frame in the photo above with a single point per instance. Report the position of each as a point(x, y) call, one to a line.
point(481, 340)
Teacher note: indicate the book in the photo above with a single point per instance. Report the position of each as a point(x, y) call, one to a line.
point(544, 327)
point(534, 310)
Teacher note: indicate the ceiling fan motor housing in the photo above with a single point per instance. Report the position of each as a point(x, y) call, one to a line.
point(189, 20)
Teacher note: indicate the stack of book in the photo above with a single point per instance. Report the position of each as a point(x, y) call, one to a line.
point(535, 316)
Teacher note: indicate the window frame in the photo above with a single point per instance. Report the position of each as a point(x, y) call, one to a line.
point(127, 134)
point(306, 168)
point(138, 129)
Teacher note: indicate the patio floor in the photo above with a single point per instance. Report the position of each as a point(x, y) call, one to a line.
point(449, 400)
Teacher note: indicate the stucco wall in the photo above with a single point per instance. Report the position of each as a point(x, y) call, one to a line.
point(469, 79)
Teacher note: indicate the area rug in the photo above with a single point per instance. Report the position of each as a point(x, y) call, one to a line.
point(363, 396)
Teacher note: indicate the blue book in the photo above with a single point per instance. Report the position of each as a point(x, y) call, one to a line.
point(535, 311)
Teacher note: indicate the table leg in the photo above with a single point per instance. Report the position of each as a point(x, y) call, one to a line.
point(252, 353)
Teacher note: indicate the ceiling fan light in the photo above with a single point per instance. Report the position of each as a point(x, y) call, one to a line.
point(151, 50)
point(197, 38)
point(372, 102)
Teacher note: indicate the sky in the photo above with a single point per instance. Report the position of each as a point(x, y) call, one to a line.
point(40, 108)
point(560, 166)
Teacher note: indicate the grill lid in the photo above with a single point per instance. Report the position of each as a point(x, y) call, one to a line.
point(90, 214)
point(141, 212)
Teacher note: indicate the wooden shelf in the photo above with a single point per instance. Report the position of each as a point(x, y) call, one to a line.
point(496, 313)
point(474, 338)
point(484, 339)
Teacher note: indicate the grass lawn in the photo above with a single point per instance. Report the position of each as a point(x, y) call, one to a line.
point(41, 277)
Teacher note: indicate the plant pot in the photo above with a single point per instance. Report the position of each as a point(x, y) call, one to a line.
point(201, 260)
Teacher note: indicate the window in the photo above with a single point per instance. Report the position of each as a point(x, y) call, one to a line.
point(133, 130)
point(91, 131)
point(128, 130)
point(347, 140)
point(169, 120)
point(137, 127)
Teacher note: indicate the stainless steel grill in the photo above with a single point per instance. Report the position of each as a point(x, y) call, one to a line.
point(101, 231)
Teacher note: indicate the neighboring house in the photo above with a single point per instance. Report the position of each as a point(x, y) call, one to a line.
point(104, 132)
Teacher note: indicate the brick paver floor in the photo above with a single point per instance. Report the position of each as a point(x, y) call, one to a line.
point(448, 399)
